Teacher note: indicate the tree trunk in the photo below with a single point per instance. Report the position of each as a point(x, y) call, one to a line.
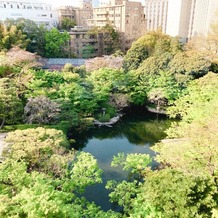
point(3, 122)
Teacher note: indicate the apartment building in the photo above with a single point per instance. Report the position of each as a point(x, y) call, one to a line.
point(125, 16)
point(66, 12)
point(156, 14)
point(80, 41)
point(35, 10)
point(80, 14)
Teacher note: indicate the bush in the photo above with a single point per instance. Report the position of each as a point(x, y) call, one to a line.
point(104, 118)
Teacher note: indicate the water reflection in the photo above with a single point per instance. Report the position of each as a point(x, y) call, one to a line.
point(136, 133)
point(146, 130)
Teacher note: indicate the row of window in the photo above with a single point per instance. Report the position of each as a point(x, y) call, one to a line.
point(23, 7)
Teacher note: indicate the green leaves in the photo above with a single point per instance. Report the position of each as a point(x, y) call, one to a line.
point(136, 163)
point(39, 177)
point(10, 105)
point(85, 171)
point(55, 43)
point(67, 23)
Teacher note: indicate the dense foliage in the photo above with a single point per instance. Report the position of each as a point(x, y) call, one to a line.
point(28, 35)
point(110, 38)
point(41, 177)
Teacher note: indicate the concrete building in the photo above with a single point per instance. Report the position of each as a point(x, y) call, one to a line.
point(84, 13)
point(80, 42)
point(156, 14)
point(66, 12)
point(180, 12)
point(34, 10)
point(183, 18)
point(205, 14)
point(189, 18)
point(80, 14)
point(127, 17)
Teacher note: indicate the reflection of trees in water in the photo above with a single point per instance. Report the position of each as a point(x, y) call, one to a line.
point(150, 132)
point(136, 131)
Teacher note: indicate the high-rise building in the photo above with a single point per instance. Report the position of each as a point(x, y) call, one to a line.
point(205, 14)
point(183, 18)
point(156, 14)
point(179, 15)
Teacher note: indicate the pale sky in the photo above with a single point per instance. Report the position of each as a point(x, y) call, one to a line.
point(57, 3)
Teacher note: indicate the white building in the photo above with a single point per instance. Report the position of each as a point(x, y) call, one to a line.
point(205, 14)
point(156, 14)
point(183, 18)
point(34, 10)
point(179, 16)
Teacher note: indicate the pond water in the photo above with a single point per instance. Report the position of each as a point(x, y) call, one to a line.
point(136, 132)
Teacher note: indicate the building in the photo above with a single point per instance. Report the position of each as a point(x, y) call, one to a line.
point(127, 17)
point(34, 10)
point(180, 13)
point(205, 14)
point(103, 3)
point(84, 13)
point(156, 14)
point(67, 12)
point(85, 45)
point(79, 14)
point(183, 18)
point(189, 18)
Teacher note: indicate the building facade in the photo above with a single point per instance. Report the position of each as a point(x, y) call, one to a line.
point(79, 14)
point(183, 18)
point(34, 10)
point(205, 14)
point(180, 13)
point(84, 45)
point(156, 14)
point(125, 16)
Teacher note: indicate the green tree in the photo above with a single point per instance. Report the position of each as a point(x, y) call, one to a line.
point(11, 36)
point(88, 51)
point(151, 44)
point(128, 194)
point(177, 195)
point(56, 43)
point(11, 107)
point(67, 88)
point(67, 23)
point(195, 150)
point(111, 38)
point(39, 177)
point(34, 33)
point(190, 64)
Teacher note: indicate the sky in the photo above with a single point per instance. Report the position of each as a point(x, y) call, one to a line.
point(58, 3)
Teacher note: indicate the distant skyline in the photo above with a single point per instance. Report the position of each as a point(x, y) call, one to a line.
point(58, 3)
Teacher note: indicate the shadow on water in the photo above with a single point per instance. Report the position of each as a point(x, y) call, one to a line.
point(135, 133)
